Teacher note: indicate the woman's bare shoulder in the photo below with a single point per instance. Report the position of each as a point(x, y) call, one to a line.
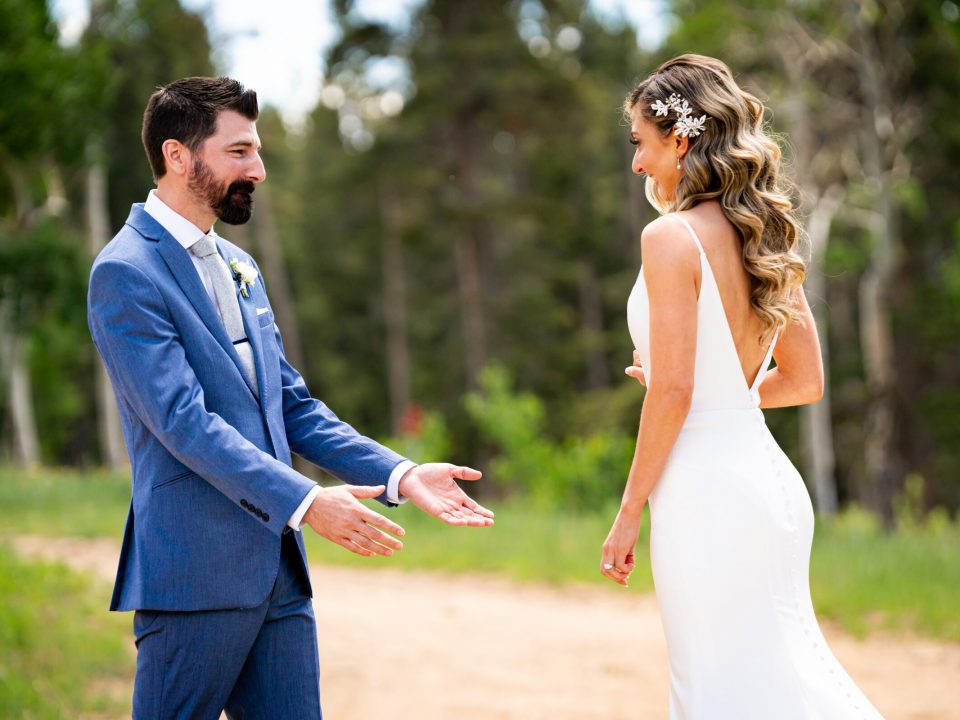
point(666, 243)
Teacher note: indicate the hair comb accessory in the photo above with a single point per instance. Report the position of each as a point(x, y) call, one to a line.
point(686, 125)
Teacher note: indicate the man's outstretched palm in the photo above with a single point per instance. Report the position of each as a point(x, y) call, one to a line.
point(433, 488)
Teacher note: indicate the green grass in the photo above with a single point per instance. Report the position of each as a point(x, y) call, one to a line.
point(864, 577)
point(861, 577)
point(60, 649)
point(63, 502)
point(555, 548)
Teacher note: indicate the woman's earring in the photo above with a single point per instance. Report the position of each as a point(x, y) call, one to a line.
point(678, 162)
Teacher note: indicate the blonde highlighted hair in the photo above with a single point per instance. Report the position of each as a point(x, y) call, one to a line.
point(736, 162)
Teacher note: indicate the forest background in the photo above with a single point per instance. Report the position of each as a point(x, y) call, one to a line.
point(449, 250)
point(449, 238)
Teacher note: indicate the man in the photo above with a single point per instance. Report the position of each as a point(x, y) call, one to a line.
point(212, 561)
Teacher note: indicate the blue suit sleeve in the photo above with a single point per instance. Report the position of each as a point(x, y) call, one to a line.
point(142, 351)
point(317, 434)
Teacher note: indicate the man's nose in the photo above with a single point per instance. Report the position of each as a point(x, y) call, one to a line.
point(257, 172)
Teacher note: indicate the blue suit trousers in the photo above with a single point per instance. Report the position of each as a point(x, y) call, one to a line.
point(259, 663)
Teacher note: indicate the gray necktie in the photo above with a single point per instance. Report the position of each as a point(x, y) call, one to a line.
point(225, 291)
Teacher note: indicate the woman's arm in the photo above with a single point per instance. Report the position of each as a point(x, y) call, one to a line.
point(670, 269)
point(798, 377)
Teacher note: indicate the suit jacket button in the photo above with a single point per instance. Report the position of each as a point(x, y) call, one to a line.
point(265, 516)
point(244, 504)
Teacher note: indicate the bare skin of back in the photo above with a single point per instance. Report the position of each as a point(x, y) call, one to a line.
point(797, 352)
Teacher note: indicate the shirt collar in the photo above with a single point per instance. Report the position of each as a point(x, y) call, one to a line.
point(183, 231)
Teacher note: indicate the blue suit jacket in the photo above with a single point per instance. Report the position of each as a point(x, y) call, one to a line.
point(213, 488)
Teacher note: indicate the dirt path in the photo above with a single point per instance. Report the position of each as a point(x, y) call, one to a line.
point(431, 647)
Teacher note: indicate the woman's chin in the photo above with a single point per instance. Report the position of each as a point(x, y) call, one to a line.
point(667, 193)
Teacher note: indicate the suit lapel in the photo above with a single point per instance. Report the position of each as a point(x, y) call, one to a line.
point(265, 380)
point(252, 327)
point(185, 274)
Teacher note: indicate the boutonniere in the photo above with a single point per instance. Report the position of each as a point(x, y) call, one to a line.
point(245, 274)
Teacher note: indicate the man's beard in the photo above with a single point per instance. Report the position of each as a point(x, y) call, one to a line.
point(233, 205)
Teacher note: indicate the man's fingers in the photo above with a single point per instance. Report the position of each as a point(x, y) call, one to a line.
point(369, 544)
point(380, 537)
point(451, 519)
point(365, 492)
point(476, 519)
point(476, 507)
point(379, 521)
point(465, 473)
point(354, 547)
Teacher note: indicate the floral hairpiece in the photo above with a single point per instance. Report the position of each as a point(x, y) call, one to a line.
point(686, 125)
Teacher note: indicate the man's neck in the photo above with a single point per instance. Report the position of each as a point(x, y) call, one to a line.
point(182, 202)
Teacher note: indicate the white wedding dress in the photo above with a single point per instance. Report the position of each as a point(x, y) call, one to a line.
point(730, 538)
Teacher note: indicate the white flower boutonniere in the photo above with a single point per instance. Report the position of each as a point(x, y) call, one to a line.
point(245, 274)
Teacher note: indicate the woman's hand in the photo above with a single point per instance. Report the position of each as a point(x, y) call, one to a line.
point(619, 559)
point(636, 370)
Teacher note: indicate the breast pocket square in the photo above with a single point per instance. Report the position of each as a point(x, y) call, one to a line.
point(261, 311)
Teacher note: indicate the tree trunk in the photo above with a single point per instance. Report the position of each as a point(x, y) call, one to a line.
point(467, 248)
point(815, 420)
point(112, 450)
point(882, 463)
point(26, 442)
point(395, 310)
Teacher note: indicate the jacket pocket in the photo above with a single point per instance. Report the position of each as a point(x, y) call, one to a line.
point(170, 480)
point(265, 319)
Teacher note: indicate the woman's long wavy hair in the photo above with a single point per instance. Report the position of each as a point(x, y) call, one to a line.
point(735, 161)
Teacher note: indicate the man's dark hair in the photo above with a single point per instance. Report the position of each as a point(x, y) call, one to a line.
point(186, 110)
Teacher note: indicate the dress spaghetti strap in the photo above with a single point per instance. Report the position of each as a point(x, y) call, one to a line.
point(689, 229)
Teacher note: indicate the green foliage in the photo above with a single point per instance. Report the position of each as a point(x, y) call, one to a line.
point(47, 88)
point(575, 473)
point(147, 43)
point(429, 441)
point(60, 645)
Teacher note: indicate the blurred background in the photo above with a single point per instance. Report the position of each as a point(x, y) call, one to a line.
point(449, 232)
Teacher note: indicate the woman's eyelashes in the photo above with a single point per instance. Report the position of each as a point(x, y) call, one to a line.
point(634, 142)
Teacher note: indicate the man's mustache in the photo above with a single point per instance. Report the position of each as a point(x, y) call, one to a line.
point(241, 186)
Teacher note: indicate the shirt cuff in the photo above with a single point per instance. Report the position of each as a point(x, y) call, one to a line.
point(393, 484)
point(296, 520)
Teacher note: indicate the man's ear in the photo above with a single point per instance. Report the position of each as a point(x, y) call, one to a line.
point(176, 156)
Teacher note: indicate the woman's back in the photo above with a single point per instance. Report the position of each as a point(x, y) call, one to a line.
point(723, 248)
point(730, 361)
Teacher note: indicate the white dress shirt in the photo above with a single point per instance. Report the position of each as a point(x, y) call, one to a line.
point(186, 233)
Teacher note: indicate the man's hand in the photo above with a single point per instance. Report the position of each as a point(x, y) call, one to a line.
point(432, 487)
point(337, 515)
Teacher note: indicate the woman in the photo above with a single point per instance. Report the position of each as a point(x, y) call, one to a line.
point(719, 293)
